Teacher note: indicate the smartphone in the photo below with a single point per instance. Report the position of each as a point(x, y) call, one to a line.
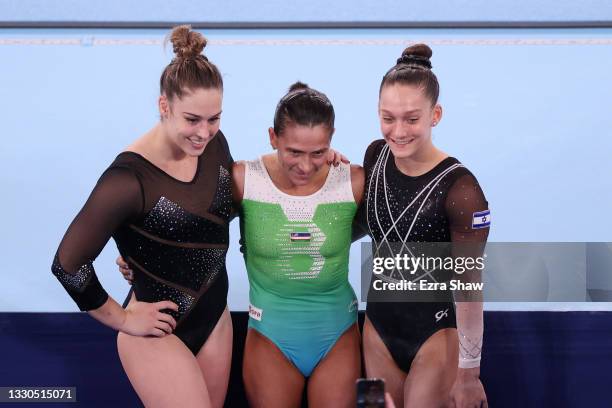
point(370, 393)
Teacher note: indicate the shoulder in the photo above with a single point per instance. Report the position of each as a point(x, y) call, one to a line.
point(357, 173)
point(357, 182)
point(376, 146)
point(123, 182)
point(130, 161)
point(238, 176)
point(258, 166)
point(222, 140)
point(125, 166)
point(239, 168)
point(461, 174)
point(118, 188)
point(465, 192)
point(128, 168)
point(256, 171)
point(372, 152)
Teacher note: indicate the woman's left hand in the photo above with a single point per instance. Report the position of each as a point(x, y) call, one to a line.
point(468, 392)
point(335, 158)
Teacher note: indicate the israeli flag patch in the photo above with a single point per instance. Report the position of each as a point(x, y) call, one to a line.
point(481, 219)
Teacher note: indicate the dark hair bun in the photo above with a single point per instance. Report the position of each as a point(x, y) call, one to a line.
point(187, 43)
point(297, 86)
point(419, 50)
point(417, 54)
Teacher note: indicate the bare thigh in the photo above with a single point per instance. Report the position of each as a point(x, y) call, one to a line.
point(433, 371)
point(380, 364)
point(332, 383)
point(163, 371)
point(215, 359)
point(270, 379)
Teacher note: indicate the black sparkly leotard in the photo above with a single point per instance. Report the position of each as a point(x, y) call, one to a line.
point(438, 206)
point(173, 234)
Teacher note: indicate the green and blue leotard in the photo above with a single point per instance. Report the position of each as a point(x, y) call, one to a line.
point(296, 251)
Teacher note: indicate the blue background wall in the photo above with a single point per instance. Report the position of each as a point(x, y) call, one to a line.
point(307, 12)
point(526, 110)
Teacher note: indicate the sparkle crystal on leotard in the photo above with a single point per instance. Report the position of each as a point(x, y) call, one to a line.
point(185, 266)
point(162, 291)
point(167, 220)
point(76, 281)
point(222, 202)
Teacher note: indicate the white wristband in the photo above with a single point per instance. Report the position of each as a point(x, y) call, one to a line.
point(469, 362)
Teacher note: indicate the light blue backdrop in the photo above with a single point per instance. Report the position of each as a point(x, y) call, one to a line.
point(408, 13)
point(528, 111)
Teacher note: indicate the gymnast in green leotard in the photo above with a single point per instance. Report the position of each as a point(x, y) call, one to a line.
point(296, 218)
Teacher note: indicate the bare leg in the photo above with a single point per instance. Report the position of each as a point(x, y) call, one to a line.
point(215, 359)
point(163, 371)
point(270, 379)
point(332, 383)
point(380, 364)
point(433, 371)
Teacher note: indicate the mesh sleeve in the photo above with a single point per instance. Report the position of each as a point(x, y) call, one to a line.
point(469, 219)
point(116, 198)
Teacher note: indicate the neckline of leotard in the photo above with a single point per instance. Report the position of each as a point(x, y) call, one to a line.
point(163, 172)
point(295, 197)
point(435, 170)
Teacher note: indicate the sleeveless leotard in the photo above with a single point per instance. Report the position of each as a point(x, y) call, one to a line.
point(296, 251)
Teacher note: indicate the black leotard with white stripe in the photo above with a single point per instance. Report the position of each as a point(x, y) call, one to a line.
point(437, 206)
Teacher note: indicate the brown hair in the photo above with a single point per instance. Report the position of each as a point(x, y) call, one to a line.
point(303, 106)
point(190, 69)
point(414, 68)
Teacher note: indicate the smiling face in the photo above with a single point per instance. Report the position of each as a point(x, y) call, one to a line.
point(406, 117)
point(302, 151)
point(190, 122)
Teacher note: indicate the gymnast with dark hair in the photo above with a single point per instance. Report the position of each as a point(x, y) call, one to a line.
point(166, 201)
point(296, 221)
point(427, 352)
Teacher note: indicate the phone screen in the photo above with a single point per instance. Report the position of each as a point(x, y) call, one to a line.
point(370, 393)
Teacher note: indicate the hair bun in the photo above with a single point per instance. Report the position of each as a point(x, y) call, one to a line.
point(417, 54)
point(187, 43)
point(297, 86)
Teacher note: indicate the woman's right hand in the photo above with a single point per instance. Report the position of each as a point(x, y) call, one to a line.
point(125, 270)
point(147, 319)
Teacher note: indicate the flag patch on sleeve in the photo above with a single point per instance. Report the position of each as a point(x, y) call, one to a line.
point(481, 219)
